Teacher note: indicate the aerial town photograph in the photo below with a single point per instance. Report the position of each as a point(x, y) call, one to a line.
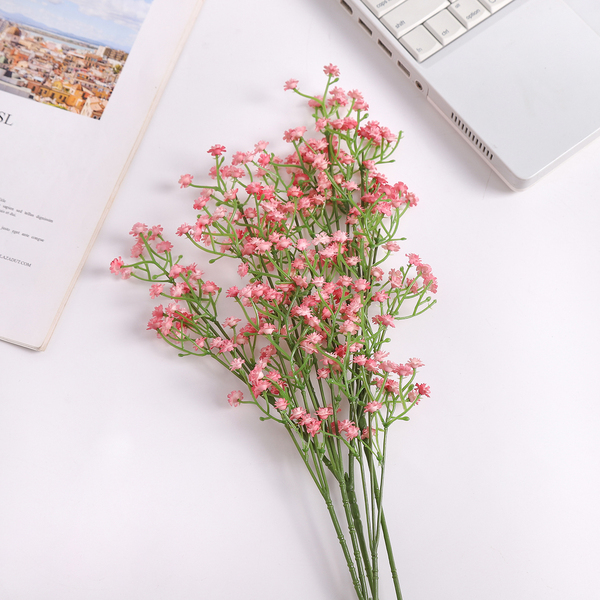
point(67, 54)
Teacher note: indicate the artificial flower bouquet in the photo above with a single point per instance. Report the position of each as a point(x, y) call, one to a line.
point(309, 234)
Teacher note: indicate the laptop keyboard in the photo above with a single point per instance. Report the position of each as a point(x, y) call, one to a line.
point(424, 27)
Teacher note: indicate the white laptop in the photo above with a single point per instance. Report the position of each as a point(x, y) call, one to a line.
point(518, 79)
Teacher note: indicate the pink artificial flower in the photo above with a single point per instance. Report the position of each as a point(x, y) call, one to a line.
point(280, 404)
point(179, 289)
point(138, 228)
point(324, 412)
point(349, 328)
point(391, 247)
point(372, 407)
point(352, 432)
point(380, 296)
point(231, 322)
point(183, 229)
point(396, 278)
point(216, 150)
point(331, 69)
point(323, 373)
point(302, 244)
point(236, 363)
point(423, 389)
point(316, 102)
point(290, 84)
point(186, 180)
point(210, 288)
point(312, 426)
point(156, 290)
point(377, 273)
point(116, 265)
point(267, 329)
point(297, 413)
point(292, 135)
point(234, 398)
point(414, 259)
point(344, 425)
point(366, 433)
point(242, 269)
point(415, 363)
point(385, 320)
point(361, 285)
point(164, 246)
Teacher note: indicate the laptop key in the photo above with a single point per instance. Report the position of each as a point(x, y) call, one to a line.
point(494, 5)
point(411, 13)
point(420, 43)
point(380, 7)
point(445, 27)
point(469, 12)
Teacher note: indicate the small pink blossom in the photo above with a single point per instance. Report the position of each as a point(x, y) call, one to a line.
point(234, 398)
point(210, 288)
point(323, 373)
point(292, 135)
point(361, 285)
point(236, 363)
point(331, 69)
point(281, 404)
point(385, 320)
point(372, 407)
point(185, 180)
point(367, 433)
point(216, 150)
point(116, 265)
point(423, 389)
point(324, 412)
point(415, 363)
point(349, 328)
point(164, 246)
point(183, 229)
point(344, 425)
point(138, 228)
point(316, 102)
point(352, 432)
point(313, 426)
point(231, 322)
point(156, 290)
point(297, 413)
point(290, 84)
point(414, 259)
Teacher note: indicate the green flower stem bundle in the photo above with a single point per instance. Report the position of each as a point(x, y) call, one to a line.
point(309, 234)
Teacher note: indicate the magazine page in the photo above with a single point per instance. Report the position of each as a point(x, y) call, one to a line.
point(78, 83)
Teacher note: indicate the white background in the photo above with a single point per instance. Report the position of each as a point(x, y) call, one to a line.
point(124, 473)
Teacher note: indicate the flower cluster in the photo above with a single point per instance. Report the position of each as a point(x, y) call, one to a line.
point(309, 232)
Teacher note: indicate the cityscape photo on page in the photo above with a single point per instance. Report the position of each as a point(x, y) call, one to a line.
point(67, 54)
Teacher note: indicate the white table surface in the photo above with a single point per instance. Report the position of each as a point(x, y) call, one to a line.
point(124, 473)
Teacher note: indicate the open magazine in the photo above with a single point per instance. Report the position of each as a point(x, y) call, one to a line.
point(79, 81)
